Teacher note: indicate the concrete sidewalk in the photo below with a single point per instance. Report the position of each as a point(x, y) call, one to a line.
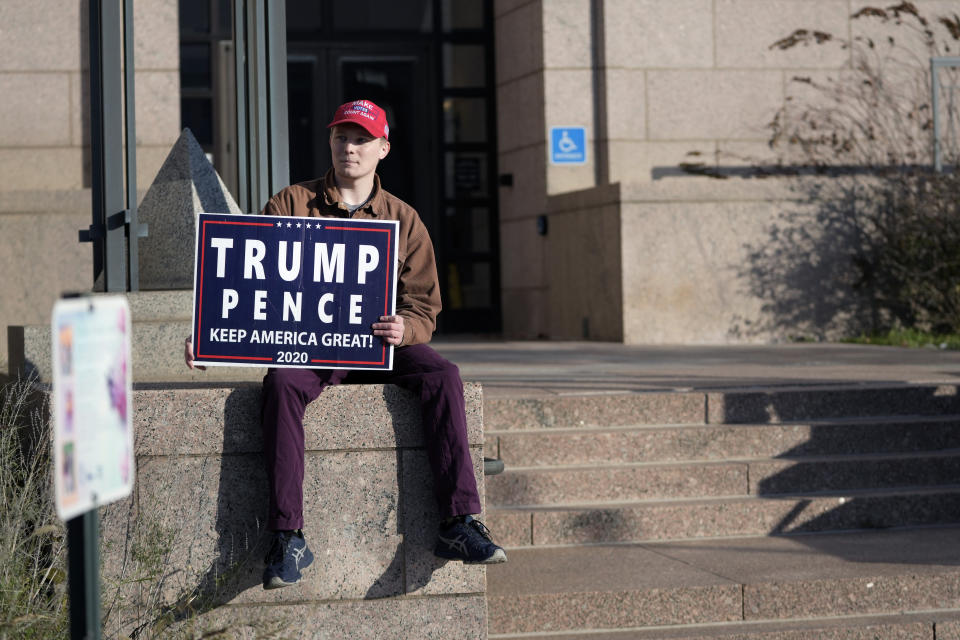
point(544, 368)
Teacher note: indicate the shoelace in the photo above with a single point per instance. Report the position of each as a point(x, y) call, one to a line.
point(481, 529)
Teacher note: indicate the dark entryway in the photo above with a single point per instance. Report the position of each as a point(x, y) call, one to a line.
point(429, 64)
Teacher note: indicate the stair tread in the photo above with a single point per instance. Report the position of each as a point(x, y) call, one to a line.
point(730, 561)
point(898, 624)
point(660, 502)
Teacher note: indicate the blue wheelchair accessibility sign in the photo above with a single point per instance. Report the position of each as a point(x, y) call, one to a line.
point(568, 145)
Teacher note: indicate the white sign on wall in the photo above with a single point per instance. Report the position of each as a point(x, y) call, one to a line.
point(92, 394)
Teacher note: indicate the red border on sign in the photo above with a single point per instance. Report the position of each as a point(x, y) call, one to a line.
point(203, 248)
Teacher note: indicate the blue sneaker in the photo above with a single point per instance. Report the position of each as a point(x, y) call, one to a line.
point(289, 555)
point(468, 540)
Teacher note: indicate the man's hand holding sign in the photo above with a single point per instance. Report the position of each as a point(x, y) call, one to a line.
point(315, 288)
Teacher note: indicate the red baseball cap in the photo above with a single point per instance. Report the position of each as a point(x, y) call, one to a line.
point(364, 113)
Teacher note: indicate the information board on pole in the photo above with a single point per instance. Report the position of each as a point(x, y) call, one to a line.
point(283, 291)
point(92, 400)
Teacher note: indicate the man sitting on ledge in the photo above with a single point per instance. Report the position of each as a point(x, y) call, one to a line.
point(351, 189)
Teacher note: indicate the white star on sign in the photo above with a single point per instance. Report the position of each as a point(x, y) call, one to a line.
point(289, 224)
point(279, 224)
point(298, 225)
point(308, 226)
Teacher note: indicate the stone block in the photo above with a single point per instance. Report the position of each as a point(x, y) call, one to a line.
point(158, 107)
point(569, 99)
point(585, 299)
point(620, 483)
point(669, 280)
point(567, 178)
point(79, 119)
point(35, 276)
point(801, 404)
point(567, 41)
point(856, 596)
point(424, 573)
point(198, 513)
point(527, 320)
point(502, 7)
point(157, 350)
point(431, 618)
point(640, 161)
point(518, 54)
point(44, 35)
point(161, 306)
point(801, 476)
point(610, 609)
point(150, 160)
point(512, 528)
point(747, 29)
point(526, 197)
point(521, 101)
point(227, 419)
point(186, 185)
point(35, 110)
point(579, 411)
point(157, 37)
point(626, 104)
point(689, 105)
point(54, 168)
point(522, 253)
point(949, 630)
point(722, 517)
point(653, 34)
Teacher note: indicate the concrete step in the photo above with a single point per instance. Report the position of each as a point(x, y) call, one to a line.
point(614, 483)
point(910, 626)
point(194, 528)
point(627, 522)
point(734, 406)
point(156, 350)
point(696, 479)
point(546, 447)
point(731, 581)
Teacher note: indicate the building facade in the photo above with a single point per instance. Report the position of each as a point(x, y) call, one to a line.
point(651, 235)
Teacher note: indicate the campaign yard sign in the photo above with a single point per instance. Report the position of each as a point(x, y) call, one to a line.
point(283, 291)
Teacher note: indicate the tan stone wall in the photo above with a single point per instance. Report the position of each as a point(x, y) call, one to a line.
point(44, 119)
point(45, 137)
point(685, 81)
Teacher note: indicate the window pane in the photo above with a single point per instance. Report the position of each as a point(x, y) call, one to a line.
point(467, 229)
point(225, 17)
point(465, 120)
point(466, 174)
point(462, 14)
point(463, 65)
point(197, 115)
point(195, 16)
point(387, 15)
point(304, 15)
point(195, 66)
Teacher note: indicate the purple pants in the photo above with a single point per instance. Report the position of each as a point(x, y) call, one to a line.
point(418, 368)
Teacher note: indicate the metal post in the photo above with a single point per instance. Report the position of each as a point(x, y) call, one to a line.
point(83, 558)
point(279, 131)
point(134, 230)
point(240, 75)
point(114, 218)
point(261, 84)
point(935, 65)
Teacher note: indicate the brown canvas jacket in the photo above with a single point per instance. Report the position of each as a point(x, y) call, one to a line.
point(418, 290)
